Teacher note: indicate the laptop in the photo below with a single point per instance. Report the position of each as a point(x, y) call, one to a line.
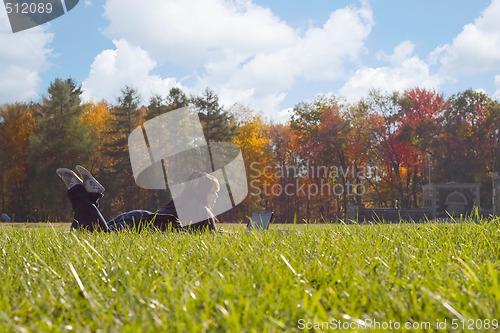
point(259, 221)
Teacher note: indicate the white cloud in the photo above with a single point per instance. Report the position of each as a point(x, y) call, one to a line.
point(285, 113)
point(477, 48)
point(194, 32)
point(481, 91)
point(23, 56)
point(320, 54)
point(241, 50)
point(406, 71)
point(125, 65)
point(400, 53)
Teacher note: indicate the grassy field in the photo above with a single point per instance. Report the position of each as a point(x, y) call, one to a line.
point(399, 277)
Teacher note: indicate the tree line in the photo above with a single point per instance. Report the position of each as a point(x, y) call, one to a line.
point(330, 154)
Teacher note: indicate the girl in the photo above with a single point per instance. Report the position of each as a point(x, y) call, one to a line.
point(198, 196)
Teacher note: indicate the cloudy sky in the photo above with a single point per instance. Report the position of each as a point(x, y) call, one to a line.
point(269, 55)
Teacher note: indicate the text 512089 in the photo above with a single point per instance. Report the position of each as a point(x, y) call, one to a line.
point(28, 8)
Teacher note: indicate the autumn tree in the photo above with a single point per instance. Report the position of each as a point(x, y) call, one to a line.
point(418, 135)
point(16, 126)
point(464, 130)
point(467, 141)
point(389, 152)
point(99, 118)
point(321, 129)
point(360, 142)
point(493, 119)
point(280, 170)
point(254, 144)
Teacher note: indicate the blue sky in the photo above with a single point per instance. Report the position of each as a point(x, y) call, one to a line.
point(268, 55)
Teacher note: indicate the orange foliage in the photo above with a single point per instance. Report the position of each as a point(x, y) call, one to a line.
point(97, 116)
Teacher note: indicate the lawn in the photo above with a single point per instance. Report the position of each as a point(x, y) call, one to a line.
point(358, 278)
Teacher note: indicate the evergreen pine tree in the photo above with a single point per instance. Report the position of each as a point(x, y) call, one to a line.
point(218, 124)
point(158, 105)
point(176, 99)
point(61, 140)
point(121, 192)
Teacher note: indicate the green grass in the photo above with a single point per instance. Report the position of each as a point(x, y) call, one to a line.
point(53, 280)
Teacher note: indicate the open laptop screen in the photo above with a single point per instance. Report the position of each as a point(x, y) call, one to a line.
point(259, 221)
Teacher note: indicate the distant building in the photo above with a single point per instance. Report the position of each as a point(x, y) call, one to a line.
point(496, 193)
point(451, 198)
point(440, 201)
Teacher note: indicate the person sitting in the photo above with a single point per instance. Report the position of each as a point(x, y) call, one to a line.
point(84, 191)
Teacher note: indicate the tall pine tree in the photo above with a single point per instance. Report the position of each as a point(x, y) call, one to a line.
point(117, 175)
point(218, 124)
point(158, 105)
point(61, 140)
point(176, 98)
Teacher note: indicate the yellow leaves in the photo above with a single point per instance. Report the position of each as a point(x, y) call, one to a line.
point(251, 136)
point(16, 127)
point(403, 172)
point(97, 116)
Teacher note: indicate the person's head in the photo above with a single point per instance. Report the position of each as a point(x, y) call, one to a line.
point(202, 187)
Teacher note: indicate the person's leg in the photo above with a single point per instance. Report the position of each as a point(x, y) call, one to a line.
point(83, 193)
point(133, 219)
point(91, 184)
point(86, 214)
